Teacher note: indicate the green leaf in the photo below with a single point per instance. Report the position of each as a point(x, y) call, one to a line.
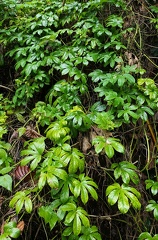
point(49, 215)
point(84, 194)
point(112, 187)
point(153, 206)
point(109, 150)
point(77, 225)
point(67, 231)
point(35, 150)
point(70, 217)
point(92, 191)
point(62, 174)
point(134, 200)
point(52, 180)
point(64, 194)
point(145, 236)
point(113, 196)
point(11, 230)
point(15, 233)
point(84, 218)
point(123, 203)
point(104, 121)
point(126, 170)
point(6, 182)
point(76, 161)
point(19, 205)
point(153, 185)
point(69, 207)
point(3, 155)
point(129, 77)
point(122, 194)
point(28, 205)
point(5, 170)
point(117, 146)
point(42, 180)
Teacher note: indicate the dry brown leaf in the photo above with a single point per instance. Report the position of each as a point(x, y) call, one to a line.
point(85, 144)
point(31, 133)
point(21, 225)
point(21, 172)
point(2, 228)
point(132, 59)
point(14, 135)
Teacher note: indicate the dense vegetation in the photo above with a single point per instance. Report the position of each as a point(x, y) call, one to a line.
point(78, 119)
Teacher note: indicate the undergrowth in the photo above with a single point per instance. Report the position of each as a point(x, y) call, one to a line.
point(78, 119)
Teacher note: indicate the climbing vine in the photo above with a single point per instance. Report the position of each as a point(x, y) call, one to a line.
point(78, 114)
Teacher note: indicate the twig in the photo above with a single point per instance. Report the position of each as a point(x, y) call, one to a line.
point(1, 86)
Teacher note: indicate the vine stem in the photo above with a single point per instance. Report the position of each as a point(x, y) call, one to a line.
point(150, 60)
point(1, 86)
point(152, 134)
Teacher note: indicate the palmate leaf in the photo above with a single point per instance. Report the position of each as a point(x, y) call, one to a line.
point(76, 161)
point(126, 171)
point(153, 185)
point(33, 152)
point(114, 20)
point(104, 121)
point(51, 174)
point(153, 206)
point(10, 229)
point(124, 195)
point(83, 187)
point(57, 130)
point(76, 215)
point(78, 119)
point(108, 145)
point(21, 199)
point(90, 233)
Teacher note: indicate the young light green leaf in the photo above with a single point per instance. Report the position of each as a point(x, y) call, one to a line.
point(19, 205)
point(145, 236)
point(6, 182)
point(109, 150)
point(28, 204)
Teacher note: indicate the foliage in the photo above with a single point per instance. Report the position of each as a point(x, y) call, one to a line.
point(78, 98)
point(151, 184)
point(10, 231)
point(108, 145)
point(153, 206)
point(126, 171)
point(146, 235)
point(122, 194)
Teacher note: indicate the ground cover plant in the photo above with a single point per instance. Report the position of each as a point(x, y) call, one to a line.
point(78, 119)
